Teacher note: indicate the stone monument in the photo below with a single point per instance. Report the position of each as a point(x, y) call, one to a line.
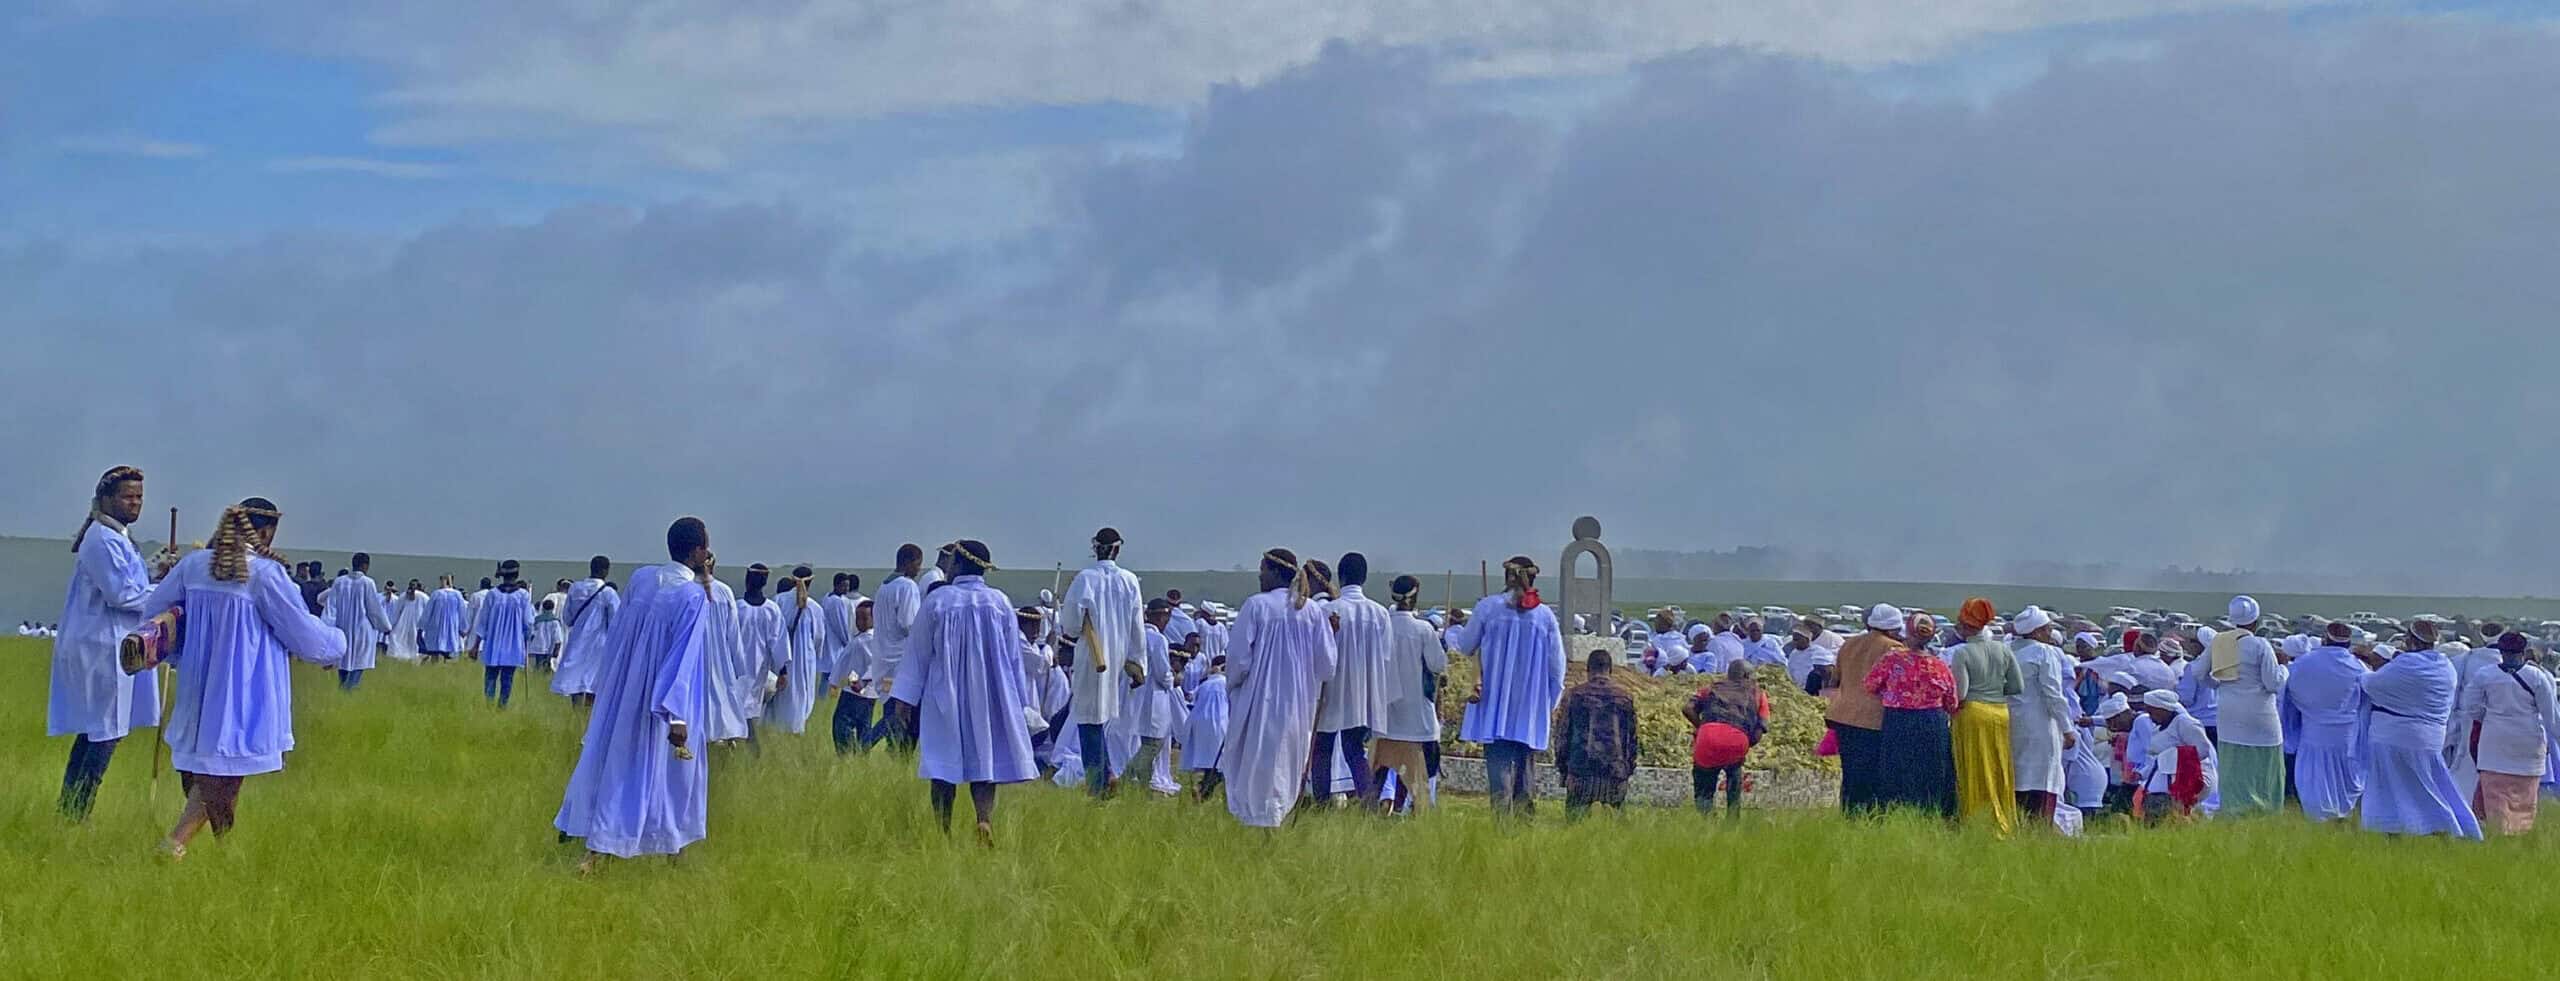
point(1589, 597)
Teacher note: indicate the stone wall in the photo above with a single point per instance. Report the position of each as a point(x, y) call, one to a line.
point(1665, 787)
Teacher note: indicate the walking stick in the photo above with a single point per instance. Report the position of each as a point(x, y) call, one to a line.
point(160, 686)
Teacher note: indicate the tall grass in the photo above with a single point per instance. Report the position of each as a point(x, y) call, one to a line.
point(410, 836)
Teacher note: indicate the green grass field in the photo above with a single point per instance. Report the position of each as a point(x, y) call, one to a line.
point(410, 836)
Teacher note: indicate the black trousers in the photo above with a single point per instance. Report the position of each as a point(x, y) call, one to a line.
point(80, 778)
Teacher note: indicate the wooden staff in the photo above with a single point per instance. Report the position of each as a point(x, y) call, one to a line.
point(160, 685)
point(1484, 578)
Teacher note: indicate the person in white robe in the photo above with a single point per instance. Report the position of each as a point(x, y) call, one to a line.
point(1724, 645)
point(837, 629)
point(795, 663)
point(440, 625)
point(1408, 734)
point(743, 682)
point(894, 610)
point(1278, 655)
point(1758, 648)
point(2041, 715)
point(471, 607)
point(1102, 619)
point(1668, 652)
point(2459, 734)
point(544, 644)
point(1521, 651)
point(639, 788)
point(90, 697)
point(724, 718)
point(404, 622)
point(1354, 699)
point(1147, 718)
point(231, 716)
point(2318, 712)
point(587, 618)
point(1206, 725)
point(963, 675)
point(851, 725)
point(2180, 770)
point(2510, 707)
point(2401, 722)
point(355, 608)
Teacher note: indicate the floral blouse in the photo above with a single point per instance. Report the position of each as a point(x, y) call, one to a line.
point(1907, 679)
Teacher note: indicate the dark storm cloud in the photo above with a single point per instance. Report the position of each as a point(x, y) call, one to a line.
point(2262, 297)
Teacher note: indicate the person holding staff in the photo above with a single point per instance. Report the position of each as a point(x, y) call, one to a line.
point(92, 700)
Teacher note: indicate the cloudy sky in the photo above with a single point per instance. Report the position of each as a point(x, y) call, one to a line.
point(2227, 284)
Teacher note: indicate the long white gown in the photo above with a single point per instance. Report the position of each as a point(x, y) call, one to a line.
point(404, 626)
point(1277, 659)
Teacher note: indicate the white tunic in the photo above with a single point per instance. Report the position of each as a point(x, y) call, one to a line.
point(797, 651)
point(893, 615)
point(2517, 717)
point(1277, 659)
point(1102, 608)
point(759, 638)
point(1413, 651)
point(587, 618)
point(354, 605)
point(2039, 714)
point(404, 626)
point(724, 678)
point(2246, 707)
point(91, 695)
point(1355, 697)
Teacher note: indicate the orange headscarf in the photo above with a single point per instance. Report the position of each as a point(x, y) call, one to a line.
point(1974, 615)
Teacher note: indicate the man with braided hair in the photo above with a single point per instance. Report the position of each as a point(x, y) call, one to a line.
point(1410, 725)
point(232, 717)
point(1278, 657)
point(91, 699)
point(1521, 650)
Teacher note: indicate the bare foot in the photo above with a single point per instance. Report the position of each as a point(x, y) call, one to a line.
point(170, 850)
point(986, 835)
point(589, 867)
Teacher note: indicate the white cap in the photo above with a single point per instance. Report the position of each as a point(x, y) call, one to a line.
point(2030, 620)
point(2162, 698)
point(1885, 616)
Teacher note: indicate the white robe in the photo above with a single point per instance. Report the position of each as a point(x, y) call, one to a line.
point(2039, 714)
point(802, 643)
point(1414, 655)
point(354, 605)
point(588, 619)
point(1277, 659)
point(724, 715)
point(1355, 696)
point(759, 633)
point(404, 626)
point(1102, 608)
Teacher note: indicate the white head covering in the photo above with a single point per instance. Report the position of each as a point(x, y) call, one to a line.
point(2029, 621)
point(2123, 679)
point(2094, 642)
point(2297, 646)
point(1825, 655)
point(1697, 630)
point(2162, 698)
point(2113, 704)
point(1885, 616)
point(2244, 611)
point(1048, 598)
point(2453, 648)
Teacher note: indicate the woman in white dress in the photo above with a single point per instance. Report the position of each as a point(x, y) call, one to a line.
point(404, 622)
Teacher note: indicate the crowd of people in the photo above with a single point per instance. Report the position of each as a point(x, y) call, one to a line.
point(1309, 691)
point(2422, 736)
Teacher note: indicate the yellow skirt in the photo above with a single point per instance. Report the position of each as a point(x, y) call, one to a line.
point(1986, 784)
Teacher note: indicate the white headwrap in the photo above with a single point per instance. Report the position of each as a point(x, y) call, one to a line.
point(2029, 621)
point(2297, 646)
point(2092, 641)
point(1697, 630)
point(2113, 704)
point(1885, 616)
point(2123, 679)
point(2162, 698)
point(2244, 611)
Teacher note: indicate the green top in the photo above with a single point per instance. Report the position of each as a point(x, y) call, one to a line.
point(1985, 670)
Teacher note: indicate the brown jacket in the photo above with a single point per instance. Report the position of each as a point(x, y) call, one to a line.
point(1851, 704)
